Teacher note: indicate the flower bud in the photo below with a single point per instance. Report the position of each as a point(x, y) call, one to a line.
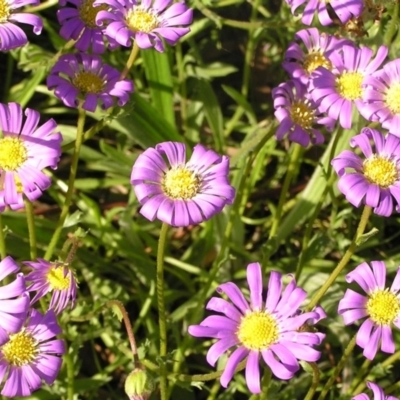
point(139, 385)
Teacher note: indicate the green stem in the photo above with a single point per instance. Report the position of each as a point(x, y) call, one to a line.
point(292, 168)
point(266, 381)
point(30, 218)
point(360, 374)
point(314, 383)
point(71, 184)
point(343, 262)
point(132, 57)
point(3, 250)
point(70, 375)
point(161, 309)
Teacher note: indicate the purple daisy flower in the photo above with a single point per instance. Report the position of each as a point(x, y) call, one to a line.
point(14, 300)
point(299, 64)
point(273, 330)
point(177, 192)
point(25, 149)
point(11, 35)
point(381, 95)
point(79, 23)
point(298, 114)
point(145, 21)
point(381, 306)
point(374, 181)
point(335, 91)
point(83, 77)
point(377, 391)
point(31, 355)
point(57, 278)
point(344, 9)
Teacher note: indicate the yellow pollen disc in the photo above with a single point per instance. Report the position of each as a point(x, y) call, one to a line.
point(258, 330)
point(314, 60)
point(4, 11)
point(56, 278)
point(349, 85)
point(88, 82)
point(13, 153)
point(180, 183)
point(302, 114)
point(383, 307)
point(380, 171)
point(88, 13)
point(20, 349)
point(141, 21)
point(392, 98)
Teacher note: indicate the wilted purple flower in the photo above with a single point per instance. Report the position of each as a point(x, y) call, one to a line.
point(377, 391)
point(374, 181)
point(177, 192)
point(57, 278)
point(381, 306)
point(344, 9)
point(381, 95)
point(79, 23)
point(24, 151)
point(299, 63)
point(83, 77)
point(271, 330)
point(11, 35)
point(145, 21)
point(14, 300)
point(336, 90)
point(298, 114)
point(30, 357)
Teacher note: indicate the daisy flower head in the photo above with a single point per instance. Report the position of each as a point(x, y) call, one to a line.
point(85, 78)
point(377, 392)
point(375, 178)
point(14, 300)
point(25, 150)
point(301, 59)
point(180, 192)
point(335, 91)
point(344, 9)
point(381, 306)
point(78, 22)
point(11, 35)
point(381, 95)
point(146, 22)
point(298, 114)
point(272, 330)
point(52, 277)
point(31, 355)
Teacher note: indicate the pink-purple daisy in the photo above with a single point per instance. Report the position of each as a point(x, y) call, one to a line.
point(180, 192)
point(335, 91)
point(25, 150)
point(85, 78)
point(271, 330)
point(11, 35)
point(381, 306)
point(147, 22)
point(375, 179)
point(377, 392)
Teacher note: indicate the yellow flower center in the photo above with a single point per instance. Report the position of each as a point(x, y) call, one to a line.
point(13, 153)
point(258, 330)
point(4, 11)
point(302, 114)
point(180, 183)
point(56, 278)
point(314, 60)
point(139, 20)
point(392, 98)
point(88, 82)
point(380, 171)
point(88, 13)
point(383, 307)
point(20, 349)
point(348, 85)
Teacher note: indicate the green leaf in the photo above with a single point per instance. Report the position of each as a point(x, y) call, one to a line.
point(242, 102)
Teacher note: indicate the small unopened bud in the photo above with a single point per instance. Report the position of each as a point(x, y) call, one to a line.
point(139, 385)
